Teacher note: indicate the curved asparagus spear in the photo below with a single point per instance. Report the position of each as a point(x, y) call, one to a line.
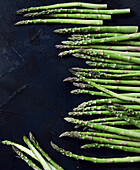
point(36, 144)
point(63, 5)
point(78, 135)
point(105, 47)
point(26, 159)
point(96, 160)
point(65, 15)
point(124, 148)
point(62, 21)
point(118, 29)
point(84, 11)
point(111, 129)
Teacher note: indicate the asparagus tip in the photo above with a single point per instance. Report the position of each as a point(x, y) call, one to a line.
point(59, 46)
point(68, 119)
point(63, 134)
point(68, 79)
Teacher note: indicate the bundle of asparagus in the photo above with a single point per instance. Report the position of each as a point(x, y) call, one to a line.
point(35, 152)
point(65, 14)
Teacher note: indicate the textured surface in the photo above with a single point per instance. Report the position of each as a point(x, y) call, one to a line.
point(28, 57)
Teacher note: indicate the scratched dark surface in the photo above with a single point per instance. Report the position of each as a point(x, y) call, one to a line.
point(33, 96)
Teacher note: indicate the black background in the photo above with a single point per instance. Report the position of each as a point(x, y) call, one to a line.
point(41, 107)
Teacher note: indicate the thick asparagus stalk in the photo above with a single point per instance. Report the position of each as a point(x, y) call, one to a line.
point(104, 40)
point(124, 148)
point(63, 5)
point(26, 159)
point(112, 29)
point(105, 128)
point(96, 160)
point(135, 43)
point(62, 21)
point(78, 135)
point(36, 144)
point(105, 47)
point(84, 11)
point(79, 15)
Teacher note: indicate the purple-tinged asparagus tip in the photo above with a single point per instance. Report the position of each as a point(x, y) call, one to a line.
point(76, 69)
point(69, 79)
point(64, 134)
point(60, 46)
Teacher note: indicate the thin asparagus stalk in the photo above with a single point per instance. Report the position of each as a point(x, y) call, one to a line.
point(105, 53)
point(106, 29)
point(105, 47)
point(116, 123)
point(77, 15)
point(135, 43)
point(125, 37)
point(124, 148)
point(42, 161)
point(78, 135)
point(105, 135)
point(84, 11)
point(96, 160)
point(91, 113)
point(79, 37)
point(124, 88)
point(26, 159)
point(116, 66)
point(63, 5)
point(105, 70)
point(125, 117)
point(36, 144)
point(62, 21)
point(111, 129)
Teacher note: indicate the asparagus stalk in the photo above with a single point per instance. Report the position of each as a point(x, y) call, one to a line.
point(105, 47)
point(42, 161)
point(96, 160)
point(36, 144)
point(26, 159)
point(105, 70)
point(77, 15)
point(124, 148)
point(63, 5)
point(84, 11)
point(62, 21)
point(116, 123)
point(104, 135)
point(116, 66)
point(78, 135)
point(111, 29)
point(106, 128)
point(135, 43)
point(87, 36)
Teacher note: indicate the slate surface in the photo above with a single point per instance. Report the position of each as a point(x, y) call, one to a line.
point(28, 57)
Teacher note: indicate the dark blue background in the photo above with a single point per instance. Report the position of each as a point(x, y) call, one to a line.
point(41, 107)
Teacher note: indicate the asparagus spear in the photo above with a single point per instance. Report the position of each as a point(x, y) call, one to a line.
point(65, 15)
point(104, 40)
point(26, 159)
point(118, 29)
point(105, 47)
point(87, 36)
point(111, 129)
point(63, 5)
point(135, 43)
point(36, 144)
point(124, 148)
point(42, 161)
point(105, 70)
point(62, 21)
point(101, 134)
point(84, 11)
point(97, 160)
point(78, 135)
